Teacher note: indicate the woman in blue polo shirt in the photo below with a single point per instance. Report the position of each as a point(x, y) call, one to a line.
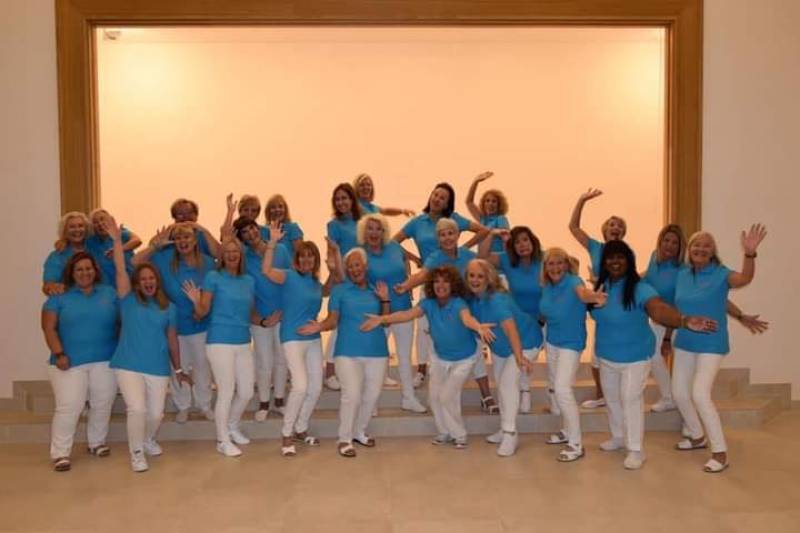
point(490, 211)
point(365, 189)
point(703, 289)
point(73, 230)
point(277, 211)
point(178, 263)
point(184, 210)
point(100, 245)
point(453, 331)
point(148, 344)
point(80, 329)
point(625, 344)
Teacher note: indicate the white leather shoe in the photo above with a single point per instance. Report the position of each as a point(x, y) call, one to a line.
point(228, 449)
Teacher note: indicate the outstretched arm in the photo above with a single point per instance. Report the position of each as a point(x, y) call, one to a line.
point(575, 221)
point(473, 188)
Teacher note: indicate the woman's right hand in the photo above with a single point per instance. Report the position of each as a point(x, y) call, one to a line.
point(599, 298)
point(590, 195)
point(400, 288)
point(485, 333)
point(51, 288)
point(161, 238)
point(483, 176)
point(192, 291)
point(62, 362)
point(275, 231)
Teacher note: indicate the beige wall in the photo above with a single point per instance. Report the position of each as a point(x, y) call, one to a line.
point(751, 120)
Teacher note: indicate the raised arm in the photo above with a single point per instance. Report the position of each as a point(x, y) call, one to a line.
point(575, 221)
point(122, 279)
point(226, 230)
point(472, 207)
point(133, 242)
point(275, 275)
point(159, 240)
point(750, 241)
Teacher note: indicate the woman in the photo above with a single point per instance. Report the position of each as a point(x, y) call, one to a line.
point(301, 301)
point(277, 211)
point(387, 263)
point(80, 329)
point(703, 289)
point(73, 230)
point(624, 343)
point(184, 210)
point(361, 356)
point(491, 211)
point(249, 206)
point(100, 245)
point(265, 321)
point(178, 263)
point(563, 308)
point(148, 343)
point(614, 228)
point(365, 189)
point(515, 335)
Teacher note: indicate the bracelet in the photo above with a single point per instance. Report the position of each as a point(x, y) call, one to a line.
point(59, 354)
point(178, 371)
point(751, 256)
point(667, 340)
point(386, 301)
point(684, 321)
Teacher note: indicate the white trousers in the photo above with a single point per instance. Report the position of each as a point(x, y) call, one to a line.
point(268, 359)
point(659, 365)
point(362, 381)
point(623, 387)
point(506, 378)
point(562, 367)
point(424, 340)
point(304, 359)
point(403, 340)
point(692, 379)
point(479, 370)
point(525, 377)
point(144, 398)
point(195, 363)
point(444, 394)
point(232, 365)
point(72, 387)
point(329, 346)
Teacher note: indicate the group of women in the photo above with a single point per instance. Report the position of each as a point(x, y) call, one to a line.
point(184, 311)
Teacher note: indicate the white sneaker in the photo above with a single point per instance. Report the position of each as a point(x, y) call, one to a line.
point(611, 445)
point(332, 383)
point(389, 382)
point(139, 461)
point(228, 449)
point(151, 447)
point(413, 405)
point(182, 417)
point(554, 409)
point(495, 438)
point(261, 415)
point(525, 402)
point(508, 445)
point(209, 414)
point(663, 405)
point(419, 379)
point(238, 437)
point(594, 404)
point(634, 460)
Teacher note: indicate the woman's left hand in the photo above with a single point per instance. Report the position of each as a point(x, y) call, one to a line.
point(485, 333)
point(754, 324)
point(382, 291)
point(184, 378)
point(310, 328)
point(372, 322)
point(753, 238)
point(524, 364)
point(111, 227)
point(701, 324)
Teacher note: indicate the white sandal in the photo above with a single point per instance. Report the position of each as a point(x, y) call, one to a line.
point(288, 451)
point(715, 467)
point(687, 445)
point(557, 438)
point(570, 453)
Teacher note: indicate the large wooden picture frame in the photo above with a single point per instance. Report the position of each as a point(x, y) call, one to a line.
point(76, 21)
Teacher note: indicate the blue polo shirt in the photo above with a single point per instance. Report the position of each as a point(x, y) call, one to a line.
point(564, 313)
point(87, 323)
point(439, 258)
point(703, 293)
point(291, 233)
point(368, 207)
point(663, 277)
point(422, 229)
point(389, 266)
point(353, 303)
point(173, 280)
point(143, 337)
point(230, 308)
point(268, 294)
point(56, 262)
point(98, 246)
point(525, 284)
point(624, 335)
point(498, 307)
point(342, 231)
point(301, 301)
point(452, 340)
point(496, 222)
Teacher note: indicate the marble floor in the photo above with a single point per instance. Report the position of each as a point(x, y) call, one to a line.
point(405, 484)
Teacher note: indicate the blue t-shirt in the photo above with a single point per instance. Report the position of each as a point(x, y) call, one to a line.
point(301, 301)
point(98, 246)
point(624, 335)
point(56, 262)
point(564, 313)
point(342, 231)
point(291, 233)
point(525, 284)
point(495, 309)
point(368, 207)
point(143, 337)
point(230, 308)
point(496, 222)
point(422, 229)
point(268, 294)
point(452, 340)
point(439, 258)
point(703, 293)
point(353, 303)
point(389, 266)
point(663, 277)
point(595, 255)
point(87, 323)
point(173, 281)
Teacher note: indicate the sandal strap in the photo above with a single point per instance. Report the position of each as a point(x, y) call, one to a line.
point(713, 466)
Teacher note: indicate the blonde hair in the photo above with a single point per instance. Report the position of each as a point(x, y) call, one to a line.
point(188, 228)
point(64, 221)
point(557, 253)
point(361, 177)
point(698, 235)
point(605, 225)
point(232, 240)
point(353, 252)
point(446, 223)
point(249, 199)
point(502, 201)
point(274, 199)
point(361, 229)
point(494, 283)
point(95, 212)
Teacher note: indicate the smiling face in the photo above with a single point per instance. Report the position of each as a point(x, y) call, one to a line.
point(365, 188)
point(373, 233)
point(556, 268)
point(490, 205)
point(702, 250)
point(147, 282)
point(669, 247)
point(356, 268)
point(441, 287)
point(614, 229)
point(438, 200)
point(250, 210)
point(477, 280)
point(342, 202)
point(184, 212)
point(250, 234)
point(523, 245)
point(185, 240)
point(84, 274)
point(231, 255)
point(98, 217)
point(448, 239)
point(75, 230)
point(617, 266)
point(276, 211)
point(306, 261)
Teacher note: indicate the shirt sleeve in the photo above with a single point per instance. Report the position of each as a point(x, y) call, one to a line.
point(53, 268)
point(410, 227)
point(53, 303)
point(463, 223)
point(295, 233)
point(501, 308)
point(459, 305)
point(211, 281)
point(505, 263)
point(335, 301)
point(172, 316)
point(502, 222)
point(644, 293)
point(431, 262)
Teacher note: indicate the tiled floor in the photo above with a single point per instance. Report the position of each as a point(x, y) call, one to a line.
point(407, 485)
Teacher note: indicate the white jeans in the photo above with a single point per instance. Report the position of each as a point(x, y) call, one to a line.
point(525, 377)
point(144, 398)
point(424, 341)
point(692, 379)
point(362, 381)
point(444, 394)
point(623, 387)
point(268, 357)
point(506, 378)
point(194, 363)
point(479, 370)
point(403, 339)
point(71, 388)
point(329, 346)
point(304, 359)
point(232, 365)
point(562, 367)
point(659, 366)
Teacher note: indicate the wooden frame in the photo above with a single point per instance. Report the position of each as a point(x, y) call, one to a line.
point(76, 21)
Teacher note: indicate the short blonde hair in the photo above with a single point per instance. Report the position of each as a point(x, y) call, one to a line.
point(502, 201)
point(557, 253)
point(494, 283)
point(353, 252)
point(446, 223)
point(361, 229)
point(248, 199)
point(64, 221)
point(361, 177)
point(621, 220)
point(698, 235)
point(232, 240)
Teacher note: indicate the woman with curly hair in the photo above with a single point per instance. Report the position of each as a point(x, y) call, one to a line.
point(490, 211)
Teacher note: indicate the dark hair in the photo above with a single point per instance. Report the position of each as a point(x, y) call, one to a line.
point(678, 232)
point(451, 274)
point(451, 202)
point(304, 246)
point(536, 253)
point(181, 201)
point(240, 224)
point(69, 269)
point(631, 276)
point(160, 297)
point(355, 205)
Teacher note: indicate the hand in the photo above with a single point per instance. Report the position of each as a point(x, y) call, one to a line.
point(524, 364)
point(60, 245)
point(505, 236)
point(184, 379)
point(62, 363)
point(599, 298)
point(753, 323)
point(161, 238)
point(372, 322)
point(485, 333)
point(409, 212)
point(310, 328)
point(272, 319)
point(52, 288)
point(590, 195)
point(111, 227)
point(230, 203)
point(503, 233)
point(753, 238)
point(275, 231)
point(400, 288)
point(701, 324)
point(382, 291)
point(192, 291)
point(666, 348)
point(483, 176)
